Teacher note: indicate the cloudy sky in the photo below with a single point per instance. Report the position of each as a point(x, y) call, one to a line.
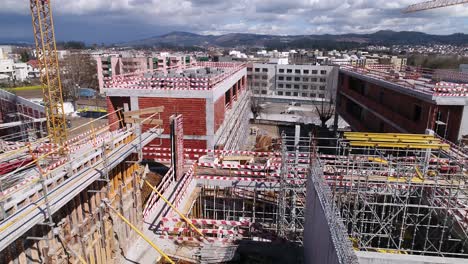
point(96, 21)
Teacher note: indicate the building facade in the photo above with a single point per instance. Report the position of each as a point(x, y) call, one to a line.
point(212, 98)
point(306, 81)
point(381, 101)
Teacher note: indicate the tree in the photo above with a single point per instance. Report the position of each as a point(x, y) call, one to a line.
point(326, 109)
point(78, 70)
point(255, 106)
point(25, 57)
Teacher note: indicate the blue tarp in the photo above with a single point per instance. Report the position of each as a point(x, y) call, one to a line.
point(87, 92)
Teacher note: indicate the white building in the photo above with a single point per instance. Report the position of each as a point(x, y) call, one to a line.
point(21, 71)
point(7, 70)
point(16, 71)
point(307, 81)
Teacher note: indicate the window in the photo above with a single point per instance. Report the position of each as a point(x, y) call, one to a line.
point(305, 79)
point(255, 84)
point(417, 112)
point(314, 71)
point(288, 86)
point(304, 94)
point(289, 70)
point(280, 93)
point(321, 95)
point(281, 70)
point(297, 71)
point(264, 85)
point(281, 78)
point(296, 86)
point(249, 69)
point(255, 92)
point(306, 71)
point(280, 85)
point(296, 94)
point(305, 87)
point(288, 79)
point(264, 70)
point(323, 72)
point(288, 93)
point(313, 87)
point(312, 95)
point(264, 92)
point(322, 88)
point(323, 80)
point(257, 69)
point(256, 77)
point(313, 79)
point(297, 79)
point(264, 77)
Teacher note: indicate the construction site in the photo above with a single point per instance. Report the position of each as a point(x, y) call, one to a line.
point(170, 175)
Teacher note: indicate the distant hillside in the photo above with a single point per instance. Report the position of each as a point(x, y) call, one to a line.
point(385, 37)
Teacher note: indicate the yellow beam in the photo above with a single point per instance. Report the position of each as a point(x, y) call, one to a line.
point(398, 145)
point(387, 134)
point(175, 209)
point(141, 235)
point(395, 140)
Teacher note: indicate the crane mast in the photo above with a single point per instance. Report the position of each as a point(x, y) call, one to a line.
point(432, 5)
point(46, 52)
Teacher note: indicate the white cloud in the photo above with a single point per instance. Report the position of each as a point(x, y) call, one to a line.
point(263, 16)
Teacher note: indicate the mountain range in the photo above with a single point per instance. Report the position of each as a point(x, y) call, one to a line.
point(384, 37)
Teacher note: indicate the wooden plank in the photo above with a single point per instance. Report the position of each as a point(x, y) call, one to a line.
point(149, 110)
point(143, 121)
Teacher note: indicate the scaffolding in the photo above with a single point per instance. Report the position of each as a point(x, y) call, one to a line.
point(398, 193)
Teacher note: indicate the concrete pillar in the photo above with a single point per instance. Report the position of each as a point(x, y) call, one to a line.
point(210, 123)
point(231, 94)
point(297, 137)
point(134, 105)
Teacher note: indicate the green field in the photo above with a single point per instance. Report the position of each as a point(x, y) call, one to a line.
point(24, 88)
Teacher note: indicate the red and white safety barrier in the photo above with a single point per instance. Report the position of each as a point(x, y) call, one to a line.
point(207, 222)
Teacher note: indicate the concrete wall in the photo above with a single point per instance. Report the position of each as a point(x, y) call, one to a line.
point(325, 239)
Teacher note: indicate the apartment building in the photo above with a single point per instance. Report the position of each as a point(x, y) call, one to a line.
point(306, 81)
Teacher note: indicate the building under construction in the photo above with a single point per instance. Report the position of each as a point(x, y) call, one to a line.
point(139, 190)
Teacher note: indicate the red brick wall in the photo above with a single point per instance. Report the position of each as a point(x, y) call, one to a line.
point(192, 110)
point(218, 113)
point(114, 103)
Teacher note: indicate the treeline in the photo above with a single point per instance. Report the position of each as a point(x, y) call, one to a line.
point(312, 44)
point(437, 62)
point(76, 45)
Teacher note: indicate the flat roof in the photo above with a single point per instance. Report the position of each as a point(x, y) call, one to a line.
point(203, 76)
point(416, 82)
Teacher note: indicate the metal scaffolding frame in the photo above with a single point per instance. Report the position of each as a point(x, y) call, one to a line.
point(397, 199)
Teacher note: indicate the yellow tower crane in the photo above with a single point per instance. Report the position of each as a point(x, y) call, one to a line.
point(46, 52)
point(432, 5)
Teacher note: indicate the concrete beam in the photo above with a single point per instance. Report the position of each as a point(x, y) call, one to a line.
point(383, 258)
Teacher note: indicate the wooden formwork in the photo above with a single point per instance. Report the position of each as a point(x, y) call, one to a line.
point(85, 230)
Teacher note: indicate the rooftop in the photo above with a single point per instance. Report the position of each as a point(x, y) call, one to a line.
point(203, 76)
point(427, 83)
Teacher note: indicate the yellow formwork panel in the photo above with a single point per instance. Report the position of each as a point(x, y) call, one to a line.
point(395, 140)
point(398, 145)
point(398, 135)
